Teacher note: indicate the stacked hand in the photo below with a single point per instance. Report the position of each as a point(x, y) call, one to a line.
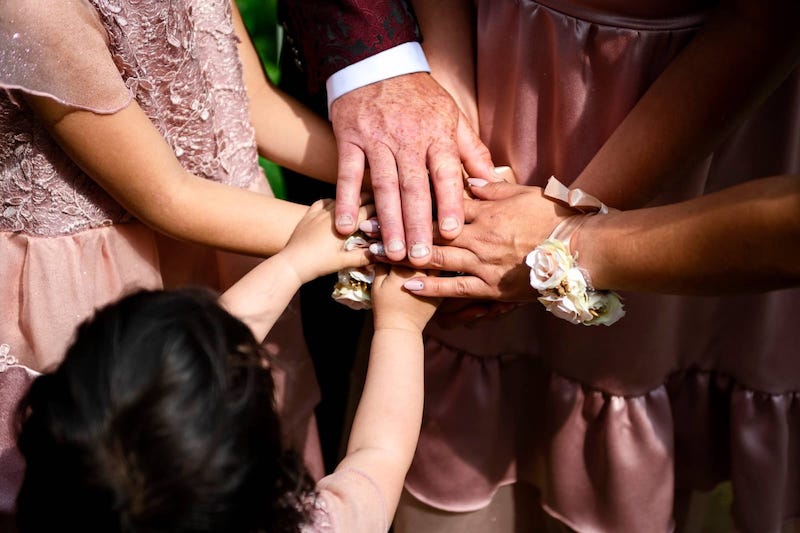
point(407, 129)
point(503, 224)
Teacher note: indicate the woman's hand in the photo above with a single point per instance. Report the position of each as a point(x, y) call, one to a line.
point(503, 225)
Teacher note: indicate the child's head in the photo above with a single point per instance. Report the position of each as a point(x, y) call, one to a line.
point(160, 418)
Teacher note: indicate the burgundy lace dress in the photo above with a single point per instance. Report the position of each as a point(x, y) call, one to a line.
point(66, 247)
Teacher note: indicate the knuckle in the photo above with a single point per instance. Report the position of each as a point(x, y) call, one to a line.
point(462, 287)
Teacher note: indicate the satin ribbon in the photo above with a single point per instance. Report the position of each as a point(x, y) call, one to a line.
point(575, 199)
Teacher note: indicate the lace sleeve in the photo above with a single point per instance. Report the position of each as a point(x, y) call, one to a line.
point(59, 49)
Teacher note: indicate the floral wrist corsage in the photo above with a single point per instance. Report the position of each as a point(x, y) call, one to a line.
point(565, 289)
point(353, 285)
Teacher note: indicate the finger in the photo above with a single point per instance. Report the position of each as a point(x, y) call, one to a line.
point(474, 154)
point(385, 186)
point(456, 287)
point(371, 226)
point(499, 190)
point(348, 187)
point(415, 195)
point(446, 174)
point(358, 257)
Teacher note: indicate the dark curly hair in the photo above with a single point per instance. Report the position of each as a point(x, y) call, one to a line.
point(160, 418)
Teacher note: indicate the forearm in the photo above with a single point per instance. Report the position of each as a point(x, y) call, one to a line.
point(259, 298)
point(143, 175)
point(287, 132)
point(743, 238)
point(725, 72)
point(387, 422)
point(450, 49)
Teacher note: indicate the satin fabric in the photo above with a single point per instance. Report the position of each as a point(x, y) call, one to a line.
point(683, 392)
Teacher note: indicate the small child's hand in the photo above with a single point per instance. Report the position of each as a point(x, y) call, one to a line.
point(316, 249)
point(394, 306)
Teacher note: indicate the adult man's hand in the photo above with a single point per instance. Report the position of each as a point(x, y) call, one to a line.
point(406, 128)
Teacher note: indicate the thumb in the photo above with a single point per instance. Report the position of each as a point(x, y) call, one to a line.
point(496, 190)
point(474, 154)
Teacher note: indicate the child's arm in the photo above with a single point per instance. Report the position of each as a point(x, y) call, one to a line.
point(287, 132)
point(127, 156)
point(387, 422)
point(315, 249)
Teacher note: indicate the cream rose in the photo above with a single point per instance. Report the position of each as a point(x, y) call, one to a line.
point(606, 308)
point(549, 263)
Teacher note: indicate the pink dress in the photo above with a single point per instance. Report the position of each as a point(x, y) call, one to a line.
point(66, 247)
point(683, 392)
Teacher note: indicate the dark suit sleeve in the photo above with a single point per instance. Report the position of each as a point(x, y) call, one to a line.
point(328, 35)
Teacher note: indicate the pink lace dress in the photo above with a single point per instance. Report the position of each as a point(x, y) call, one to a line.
point(609, 422)
point(66, 247)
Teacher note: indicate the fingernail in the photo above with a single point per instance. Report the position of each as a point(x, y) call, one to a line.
point(370, 226)
point(419, 250)
point(344, 221)
point(449, 224)
point(477, 182)
point(376, 248)
point(395, 246)
point(414, 285)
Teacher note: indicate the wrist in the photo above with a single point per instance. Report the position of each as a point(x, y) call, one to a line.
point(565, 286)
point(289, 267)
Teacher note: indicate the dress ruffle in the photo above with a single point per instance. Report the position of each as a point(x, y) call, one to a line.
point(603, 462)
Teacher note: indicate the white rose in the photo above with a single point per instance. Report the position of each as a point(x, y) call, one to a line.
point(570, 308)
point(549, 263)
point(607, 308)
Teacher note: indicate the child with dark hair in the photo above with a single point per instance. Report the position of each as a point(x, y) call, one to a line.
point(161, 416)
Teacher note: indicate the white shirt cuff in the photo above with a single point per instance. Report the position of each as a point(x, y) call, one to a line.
point(402, 59)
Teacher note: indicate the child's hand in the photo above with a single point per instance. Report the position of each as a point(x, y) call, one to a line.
point(316, 249)
point(394, 306)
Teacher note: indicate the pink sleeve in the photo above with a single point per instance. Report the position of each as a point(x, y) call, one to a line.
point(59, 49)
point(349, 500)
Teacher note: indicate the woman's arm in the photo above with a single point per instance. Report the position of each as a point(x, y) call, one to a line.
point(127, 156)
point(287, 132)
point(735, 61)
point(745, 238)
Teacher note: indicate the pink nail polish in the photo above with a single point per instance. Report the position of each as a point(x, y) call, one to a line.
point(414, 285)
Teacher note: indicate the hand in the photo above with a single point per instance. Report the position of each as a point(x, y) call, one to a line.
point(395, 307)
point(315, 249)
point(403, 127)
point(503, 226)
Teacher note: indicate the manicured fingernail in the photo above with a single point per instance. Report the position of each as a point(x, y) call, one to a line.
point(414, 285)
point(419, 250)
point(477, 182)
point(449, 224)
point(344, 221)
point(376, 248)
point(395, 246)
point(370, 226)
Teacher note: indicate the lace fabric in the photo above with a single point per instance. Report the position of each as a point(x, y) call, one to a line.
point(178, 59)
point(6, 359)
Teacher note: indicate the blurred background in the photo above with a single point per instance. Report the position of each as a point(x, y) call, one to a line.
point(261, 21)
